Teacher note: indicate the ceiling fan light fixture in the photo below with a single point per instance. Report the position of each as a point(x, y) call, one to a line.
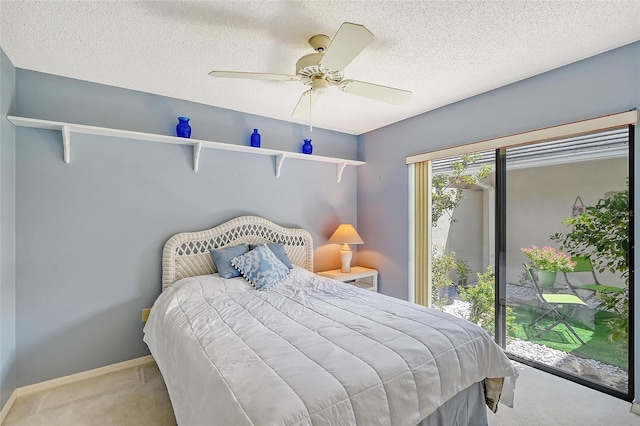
point(319, 84)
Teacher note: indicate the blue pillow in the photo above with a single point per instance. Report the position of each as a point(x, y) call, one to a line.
point(260, 267)
point(278, 250)
point(222, 259)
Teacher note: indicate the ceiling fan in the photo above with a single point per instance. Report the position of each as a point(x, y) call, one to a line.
point(326, 68)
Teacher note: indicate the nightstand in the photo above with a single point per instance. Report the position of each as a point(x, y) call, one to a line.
point(359, 276)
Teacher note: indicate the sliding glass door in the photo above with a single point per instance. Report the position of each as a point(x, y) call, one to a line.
point(533, 243)
point(567, 241)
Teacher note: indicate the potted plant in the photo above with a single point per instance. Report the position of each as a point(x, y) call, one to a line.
point(441, 284)
point(548, 261)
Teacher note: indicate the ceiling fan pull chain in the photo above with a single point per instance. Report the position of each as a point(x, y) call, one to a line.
point(310, 109)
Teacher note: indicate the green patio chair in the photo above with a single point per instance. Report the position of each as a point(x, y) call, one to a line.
point(584, 265)
point(549, 305)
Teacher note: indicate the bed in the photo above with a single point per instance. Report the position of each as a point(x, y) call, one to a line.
point(310, 350)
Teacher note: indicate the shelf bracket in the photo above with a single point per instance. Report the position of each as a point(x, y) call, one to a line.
point(66, 143)
point(279, 160)
point(340, 168)
point(196, 155)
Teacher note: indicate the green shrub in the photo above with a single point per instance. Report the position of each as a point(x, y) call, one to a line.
point(482, 298)
point(442, 263)
point(463, 271)
point(602, 233)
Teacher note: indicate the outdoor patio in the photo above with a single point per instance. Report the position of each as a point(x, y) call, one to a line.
point(597, 360)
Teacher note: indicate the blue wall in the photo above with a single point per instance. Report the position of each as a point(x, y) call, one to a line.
point(604, 84)
point(7, 232)
point(90, 233)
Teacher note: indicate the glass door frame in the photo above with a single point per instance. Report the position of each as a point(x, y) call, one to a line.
point(501, 273)
point(626, 119)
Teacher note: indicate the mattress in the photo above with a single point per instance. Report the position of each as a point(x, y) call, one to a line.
point(311, 350)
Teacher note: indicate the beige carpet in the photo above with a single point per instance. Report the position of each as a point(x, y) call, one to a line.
point(135, 396)
point(138, 396)
point(542, 399)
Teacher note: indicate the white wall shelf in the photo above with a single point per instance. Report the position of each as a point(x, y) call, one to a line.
point(68, 128)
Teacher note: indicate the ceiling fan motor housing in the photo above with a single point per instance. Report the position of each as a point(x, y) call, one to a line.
point(308, 69)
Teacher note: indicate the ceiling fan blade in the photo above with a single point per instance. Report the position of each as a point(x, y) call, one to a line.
point(348, 42)
point(390, 95)
point(254, 75)
point(305, 104)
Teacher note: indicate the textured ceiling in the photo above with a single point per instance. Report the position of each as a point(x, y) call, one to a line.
point(443, 51)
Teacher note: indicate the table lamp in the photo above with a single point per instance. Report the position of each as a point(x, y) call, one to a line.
point(346, 234)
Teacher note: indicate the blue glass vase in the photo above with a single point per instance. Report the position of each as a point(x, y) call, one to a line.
point(307, 148)
point(255, 138)
point(183, 129)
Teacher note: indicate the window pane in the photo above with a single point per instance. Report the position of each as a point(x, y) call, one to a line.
point(567, 217)
point(463, 239)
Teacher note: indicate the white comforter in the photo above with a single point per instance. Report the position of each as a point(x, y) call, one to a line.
point(310, 350)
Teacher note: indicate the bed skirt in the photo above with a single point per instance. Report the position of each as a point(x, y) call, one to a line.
point(466, 408)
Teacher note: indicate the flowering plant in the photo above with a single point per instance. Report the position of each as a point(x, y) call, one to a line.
point(549, 259)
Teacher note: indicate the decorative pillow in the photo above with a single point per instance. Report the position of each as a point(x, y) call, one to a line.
point(278, 250)
point(260, 267)
point(222, 259)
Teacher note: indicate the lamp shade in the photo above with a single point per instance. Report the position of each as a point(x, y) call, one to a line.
point(346, 234)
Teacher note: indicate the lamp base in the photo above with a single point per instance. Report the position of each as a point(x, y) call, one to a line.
point(345, 256)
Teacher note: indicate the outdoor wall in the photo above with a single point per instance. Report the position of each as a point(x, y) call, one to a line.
point(600, 85)
point(465, 235)
point(540, 199)
point(7, 233)
point(90, 233)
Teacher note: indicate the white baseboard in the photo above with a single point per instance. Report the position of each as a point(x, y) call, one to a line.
point(73, 378)
point(8, 405)
point(50, 384)
point(635, 408)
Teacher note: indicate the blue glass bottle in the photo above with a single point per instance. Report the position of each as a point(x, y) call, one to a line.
point(255, 138)
point(307, 148)
point(183, 129)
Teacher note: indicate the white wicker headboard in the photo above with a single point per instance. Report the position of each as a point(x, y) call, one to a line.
point(187, 254)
